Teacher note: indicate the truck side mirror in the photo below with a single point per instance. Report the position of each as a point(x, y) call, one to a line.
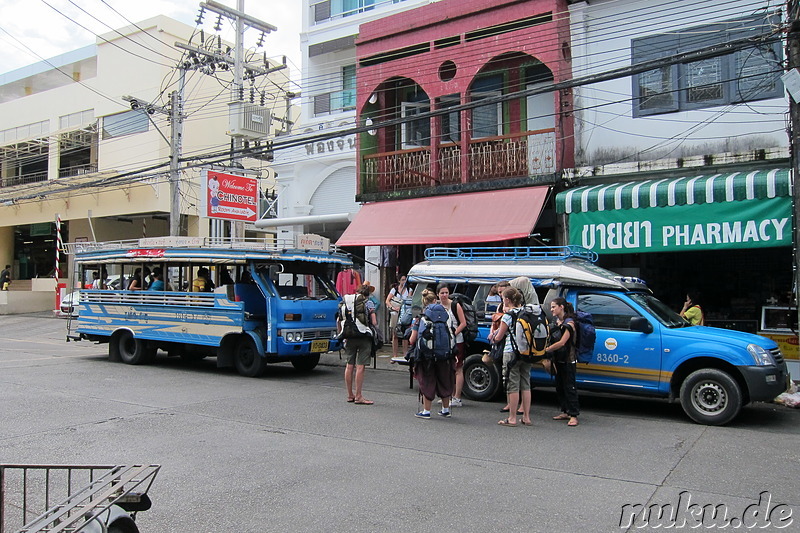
point(640, 324)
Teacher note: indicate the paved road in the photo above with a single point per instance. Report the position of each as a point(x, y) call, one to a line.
point(285, 452)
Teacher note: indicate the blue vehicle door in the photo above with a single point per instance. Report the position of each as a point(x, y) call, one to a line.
point(623, 360)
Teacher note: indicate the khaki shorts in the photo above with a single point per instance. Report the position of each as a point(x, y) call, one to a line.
point(359, 351)
point(519, 375)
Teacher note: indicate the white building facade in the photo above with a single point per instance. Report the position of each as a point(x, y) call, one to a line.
point(316, 182)
point(73, 146)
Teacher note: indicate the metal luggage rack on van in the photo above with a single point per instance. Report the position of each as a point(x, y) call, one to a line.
point(231, 243)
point(554, 253)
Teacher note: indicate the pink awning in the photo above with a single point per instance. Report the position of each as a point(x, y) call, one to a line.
point(455, 218)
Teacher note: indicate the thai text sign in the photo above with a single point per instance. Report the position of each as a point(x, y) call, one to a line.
point(229, 197)
point(759, 223)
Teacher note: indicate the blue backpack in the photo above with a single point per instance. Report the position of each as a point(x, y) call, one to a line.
point(435, 339)
point(584, 348)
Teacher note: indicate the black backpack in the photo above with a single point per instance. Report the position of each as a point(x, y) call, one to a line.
point(584, 345)
point(348, 328)
point(470, 332)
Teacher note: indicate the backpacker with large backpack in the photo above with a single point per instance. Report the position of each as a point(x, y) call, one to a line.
point(586, 336)
point(470, 332)
point(529, 333)
point(353, 318)
point(435, 339)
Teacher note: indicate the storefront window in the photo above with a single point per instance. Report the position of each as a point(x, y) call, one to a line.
point(35, 250)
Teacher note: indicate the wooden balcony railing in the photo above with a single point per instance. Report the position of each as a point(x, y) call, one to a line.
point(395, 171)
point(508, 156)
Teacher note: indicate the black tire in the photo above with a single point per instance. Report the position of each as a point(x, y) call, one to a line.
point(481, 381)
point(306, 364)
point(248, 361)
point(133, 351)
point(123, 525)
point(711, 397)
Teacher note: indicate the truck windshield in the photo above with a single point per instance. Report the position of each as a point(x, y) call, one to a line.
point(659, 309)
point(300, 285)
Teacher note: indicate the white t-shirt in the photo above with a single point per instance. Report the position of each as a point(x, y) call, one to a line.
point(405, 293)
point(452, 321)
point(507, 320)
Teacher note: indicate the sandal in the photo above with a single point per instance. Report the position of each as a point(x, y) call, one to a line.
point(351, 399)
point(562, 416)
point(529, 423)
point(363, 401)
point(573, 422)
point(506, 423)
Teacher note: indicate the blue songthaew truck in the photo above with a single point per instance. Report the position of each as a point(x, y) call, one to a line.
point(245, 302)
point(643, 347)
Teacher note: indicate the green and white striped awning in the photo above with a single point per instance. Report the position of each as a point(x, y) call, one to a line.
point(693, 190)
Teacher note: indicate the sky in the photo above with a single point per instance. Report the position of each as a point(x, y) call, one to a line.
point(35, 25)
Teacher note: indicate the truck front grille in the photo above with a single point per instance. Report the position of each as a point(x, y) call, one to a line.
point(317, 334)
point(777, 355)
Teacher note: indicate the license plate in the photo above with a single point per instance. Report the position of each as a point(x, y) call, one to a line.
point(319, 346)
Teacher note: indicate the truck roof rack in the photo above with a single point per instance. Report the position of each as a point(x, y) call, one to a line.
point(548, 253)
point(225, 243)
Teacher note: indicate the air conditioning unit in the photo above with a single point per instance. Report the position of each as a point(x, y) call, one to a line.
point(248, 120)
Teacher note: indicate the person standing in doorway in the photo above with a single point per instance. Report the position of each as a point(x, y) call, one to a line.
point(692, 311)
point(394, 302)
point(5, 278)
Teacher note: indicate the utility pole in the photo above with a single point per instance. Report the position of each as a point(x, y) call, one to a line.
point(237, 228)
point(175, 114)
point(793, 55)
point(176, 121)
point(241, 21)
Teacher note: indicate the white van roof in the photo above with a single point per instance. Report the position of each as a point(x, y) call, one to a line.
point(568, 266)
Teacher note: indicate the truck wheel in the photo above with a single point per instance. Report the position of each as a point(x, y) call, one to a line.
point(711, 397)
point(133, 351)
point(305, 364)
point(248, 361)
point(481, 381)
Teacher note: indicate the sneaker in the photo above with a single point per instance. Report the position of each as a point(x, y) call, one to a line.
point(456, 402)
point(426, 416)
point(445, 414)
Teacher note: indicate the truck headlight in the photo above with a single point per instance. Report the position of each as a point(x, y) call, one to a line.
point(761, 356)
point(293, 336)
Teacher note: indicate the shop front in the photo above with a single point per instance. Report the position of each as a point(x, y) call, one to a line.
point(727, 235)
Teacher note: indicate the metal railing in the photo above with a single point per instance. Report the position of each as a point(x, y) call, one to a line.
point(39, 498)
point(510, 253)
point(227, 243)
point(528, 153)
point(77, 170)
point(33, 177)
point(166, 298)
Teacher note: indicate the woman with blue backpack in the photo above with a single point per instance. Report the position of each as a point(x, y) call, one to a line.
point(563, 350)
point(432, 356)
